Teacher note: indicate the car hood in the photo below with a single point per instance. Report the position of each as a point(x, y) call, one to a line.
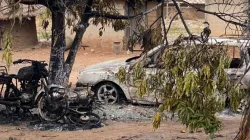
point(107, 64)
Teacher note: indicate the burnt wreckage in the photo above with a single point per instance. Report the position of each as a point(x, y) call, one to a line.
point(29, 89)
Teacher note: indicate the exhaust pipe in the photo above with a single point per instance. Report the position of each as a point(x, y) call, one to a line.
point(10, 103)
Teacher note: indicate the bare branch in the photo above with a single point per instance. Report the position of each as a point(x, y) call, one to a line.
point(182, 18)
point(170, 24)
point(215, 14)
point(163, 22)
point(34, 2)
point(111, 16)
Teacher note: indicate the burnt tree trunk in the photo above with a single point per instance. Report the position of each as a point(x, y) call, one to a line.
point(56, 67)
point(72, 53)
point(60, 68)
point(78, 38)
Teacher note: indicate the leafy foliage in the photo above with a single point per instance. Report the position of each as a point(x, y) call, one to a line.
point(7, 54)
point(13, 9)
point(109, 8)
point(191, 82)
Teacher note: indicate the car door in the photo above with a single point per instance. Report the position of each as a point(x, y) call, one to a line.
point(237, 71)
point(150, 68)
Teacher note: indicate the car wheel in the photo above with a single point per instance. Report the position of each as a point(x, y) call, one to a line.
point(108, 93)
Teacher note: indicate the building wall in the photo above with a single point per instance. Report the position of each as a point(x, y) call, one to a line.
point(188, 12)
point(153, 15)
point(219, 27)
point(91, 36)
point(23, 35)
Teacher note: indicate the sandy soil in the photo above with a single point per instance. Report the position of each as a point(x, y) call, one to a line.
point(169, 130)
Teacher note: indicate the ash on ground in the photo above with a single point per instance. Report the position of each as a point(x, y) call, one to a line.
point(32, 121)
point(126, 112)
point(123, 112)
point(129, 112)
point(59, 126)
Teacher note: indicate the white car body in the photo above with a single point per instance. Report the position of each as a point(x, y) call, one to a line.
point(105, 72)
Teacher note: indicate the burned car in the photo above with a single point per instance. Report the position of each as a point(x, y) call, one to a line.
point(101, 77)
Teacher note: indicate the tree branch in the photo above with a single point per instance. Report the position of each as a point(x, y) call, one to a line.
point(213, 13)
point(78, 38)
point(170, 23)
point(96, 14)
point(111, 16)
point(163, 22)
point(34, 2)
point(182, 18)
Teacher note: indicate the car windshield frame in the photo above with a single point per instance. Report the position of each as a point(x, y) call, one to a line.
point(148, 54)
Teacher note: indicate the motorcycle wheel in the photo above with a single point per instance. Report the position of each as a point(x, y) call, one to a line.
point(85, 119)
point(52, 112)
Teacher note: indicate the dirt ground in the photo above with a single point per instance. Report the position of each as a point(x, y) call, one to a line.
point(121, 130)
point(131, 130)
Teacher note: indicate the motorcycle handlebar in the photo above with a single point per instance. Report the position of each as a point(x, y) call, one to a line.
point(29, 61)
point(17, 61)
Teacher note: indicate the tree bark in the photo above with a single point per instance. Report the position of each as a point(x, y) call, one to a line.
point(60, 69)
point(56, 67)
point(78, 38)
point(72, 53)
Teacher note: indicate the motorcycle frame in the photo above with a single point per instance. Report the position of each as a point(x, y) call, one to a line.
point(6, 81)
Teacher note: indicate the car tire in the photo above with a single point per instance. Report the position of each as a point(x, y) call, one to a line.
point(108, 93)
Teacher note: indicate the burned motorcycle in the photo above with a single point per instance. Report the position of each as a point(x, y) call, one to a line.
point(76, 106)
point(30, 89)
point(81, 104)
point(21, 91)
point(53, 104)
